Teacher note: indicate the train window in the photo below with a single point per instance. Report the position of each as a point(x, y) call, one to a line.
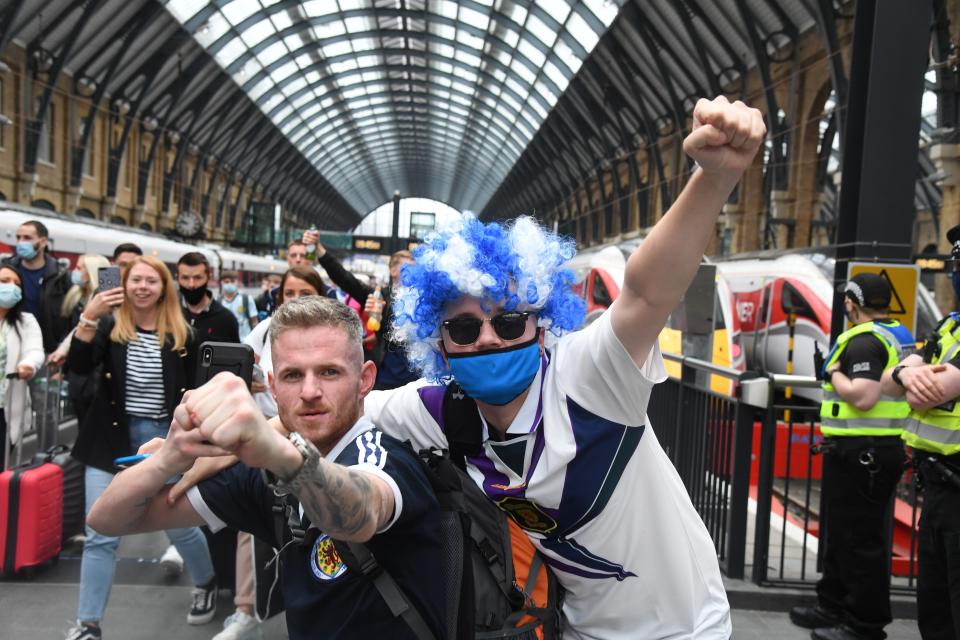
point(601, 296)
point(719, 322)
point(792, 301)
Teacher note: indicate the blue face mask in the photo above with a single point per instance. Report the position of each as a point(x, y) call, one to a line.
point(498, 376)
point(76, 277)
point(10, 295)
point(26, 250)
point(229, 288)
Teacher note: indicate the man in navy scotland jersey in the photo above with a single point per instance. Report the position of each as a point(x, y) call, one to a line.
point(353, 483)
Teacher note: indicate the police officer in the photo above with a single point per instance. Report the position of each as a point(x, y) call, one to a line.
point(863, 461)
point(931, 384)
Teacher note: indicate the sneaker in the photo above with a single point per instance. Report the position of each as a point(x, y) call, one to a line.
point(204, 603)
point(83, 632)
point(171, 562)
point(240, 626)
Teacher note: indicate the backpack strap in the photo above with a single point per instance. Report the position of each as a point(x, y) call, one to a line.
point(358, 557)
point(461, 424)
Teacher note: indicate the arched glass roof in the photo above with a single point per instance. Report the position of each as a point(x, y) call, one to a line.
point(429, 97)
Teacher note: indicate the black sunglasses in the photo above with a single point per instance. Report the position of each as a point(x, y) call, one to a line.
point(465, 330)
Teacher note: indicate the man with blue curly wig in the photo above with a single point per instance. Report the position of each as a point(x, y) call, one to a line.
point(557, 436)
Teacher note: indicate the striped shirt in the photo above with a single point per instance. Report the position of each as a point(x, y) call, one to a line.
point(145, 396)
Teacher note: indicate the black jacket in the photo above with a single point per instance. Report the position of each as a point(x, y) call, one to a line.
point(216, 323)
point(53, 288)
point(104, 435)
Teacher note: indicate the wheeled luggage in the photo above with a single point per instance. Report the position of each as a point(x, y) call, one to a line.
point(31, 515)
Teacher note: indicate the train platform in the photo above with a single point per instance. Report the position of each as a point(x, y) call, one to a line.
point(145, 604)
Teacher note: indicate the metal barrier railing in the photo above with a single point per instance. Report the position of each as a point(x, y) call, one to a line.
point(743, 449)
point(52, 415)
point(707, 435)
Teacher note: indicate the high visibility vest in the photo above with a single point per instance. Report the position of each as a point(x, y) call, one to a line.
point(886, 418)
point(938, 429)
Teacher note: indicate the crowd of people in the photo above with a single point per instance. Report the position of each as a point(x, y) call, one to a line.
point(558, 430)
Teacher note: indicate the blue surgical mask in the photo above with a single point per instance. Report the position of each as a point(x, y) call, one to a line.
point(229, 288)
point(76, 277)
point(497, 376)
point(27, 250)
point(10, 295)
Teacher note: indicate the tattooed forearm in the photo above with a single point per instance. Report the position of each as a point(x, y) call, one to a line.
point(138, 512)
point(340, 502)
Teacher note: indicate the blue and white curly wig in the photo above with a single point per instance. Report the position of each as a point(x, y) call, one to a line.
point(517, 265)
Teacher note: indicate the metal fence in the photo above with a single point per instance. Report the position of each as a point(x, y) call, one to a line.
point(749, 457)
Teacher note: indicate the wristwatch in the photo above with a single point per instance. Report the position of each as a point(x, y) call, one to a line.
point(311, 458)
point(895, 374)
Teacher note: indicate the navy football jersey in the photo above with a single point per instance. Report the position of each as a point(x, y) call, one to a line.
point(324, 598)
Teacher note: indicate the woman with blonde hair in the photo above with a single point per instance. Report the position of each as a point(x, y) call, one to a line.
point(81, 389)
point(145, 351)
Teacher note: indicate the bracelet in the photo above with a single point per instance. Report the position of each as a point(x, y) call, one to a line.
point(895, 374)
point(86, 322)
point(311, 459)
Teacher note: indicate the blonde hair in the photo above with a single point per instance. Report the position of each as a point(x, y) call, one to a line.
point(170, 321)
point(92, 262)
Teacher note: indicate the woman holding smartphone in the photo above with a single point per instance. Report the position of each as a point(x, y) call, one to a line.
point(21, 355)
point(146, 357)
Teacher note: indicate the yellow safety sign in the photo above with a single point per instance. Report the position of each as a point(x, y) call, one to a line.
point(903, 280)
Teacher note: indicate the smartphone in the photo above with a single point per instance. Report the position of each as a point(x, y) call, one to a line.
point(108, 278)
point(126, 462)
point(225, 356)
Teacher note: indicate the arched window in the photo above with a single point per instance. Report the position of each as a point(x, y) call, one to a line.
point(117, 220)
point(146, 226)
point(43, 204)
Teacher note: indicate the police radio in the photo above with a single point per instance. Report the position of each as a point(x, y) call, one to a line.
point(931, 348)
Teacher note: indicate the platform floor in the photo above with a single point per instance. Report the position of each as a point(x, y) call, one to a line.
point(146, 605)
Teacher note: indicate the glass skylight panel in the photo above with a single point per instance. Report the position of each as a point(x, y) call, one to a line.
point(316, 8)
point(512, 84)
point(272, 53)
point(474, 18)
point(239, 10)
point(509, 36)
point(467, 39)
point(334, 49)
point(281, 20)
point(468, 58)
point(567, 56)
point(230, 52)
point(441, 66)
point(581, 31)
point(212, 30)
point(553, 72)
point(523, 71)
point(295, 41)
point(363, 44)
point(329, 29)
point(283, 112)
point(284, 71)
point(295, 85)
point(606, 10)
point(557, 9)
point(541, 31)
point(257, 33)
point(515, 11)
point(446, 8)
point(260, 88)
point(510, 102)
point(343, 66)
point(531, 53)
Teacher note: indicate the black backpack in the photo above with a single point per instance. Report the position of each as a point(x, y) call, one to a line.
point(486, 600)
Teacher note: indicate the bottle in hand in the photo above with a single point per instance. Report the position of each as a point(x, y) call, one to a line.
point(374, 317)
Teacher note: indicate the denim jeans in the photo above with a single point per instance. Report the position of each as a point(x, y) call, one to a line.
point(99, 552)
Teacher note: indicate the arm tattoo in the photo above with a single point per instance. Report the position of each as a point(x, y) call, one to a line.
point(137, 512)
point(340, 502)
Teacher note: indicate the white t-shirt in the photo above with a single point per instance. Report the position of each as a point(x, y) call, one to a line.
point(594, 490)
point(260, 342)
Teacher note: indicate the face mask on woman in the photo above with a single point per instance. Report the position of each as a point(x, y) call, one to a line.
point(10, 295)
point(76, 277)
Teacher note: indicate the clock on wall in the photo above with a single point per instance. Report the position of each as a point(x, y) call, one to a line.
point(188, 224)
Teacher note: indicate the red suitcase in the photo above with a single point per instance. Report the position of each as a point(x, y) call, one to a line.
point(31, 516)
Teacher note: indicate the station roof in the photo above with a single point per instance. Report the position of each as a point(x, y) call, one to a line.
point(496, 106)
